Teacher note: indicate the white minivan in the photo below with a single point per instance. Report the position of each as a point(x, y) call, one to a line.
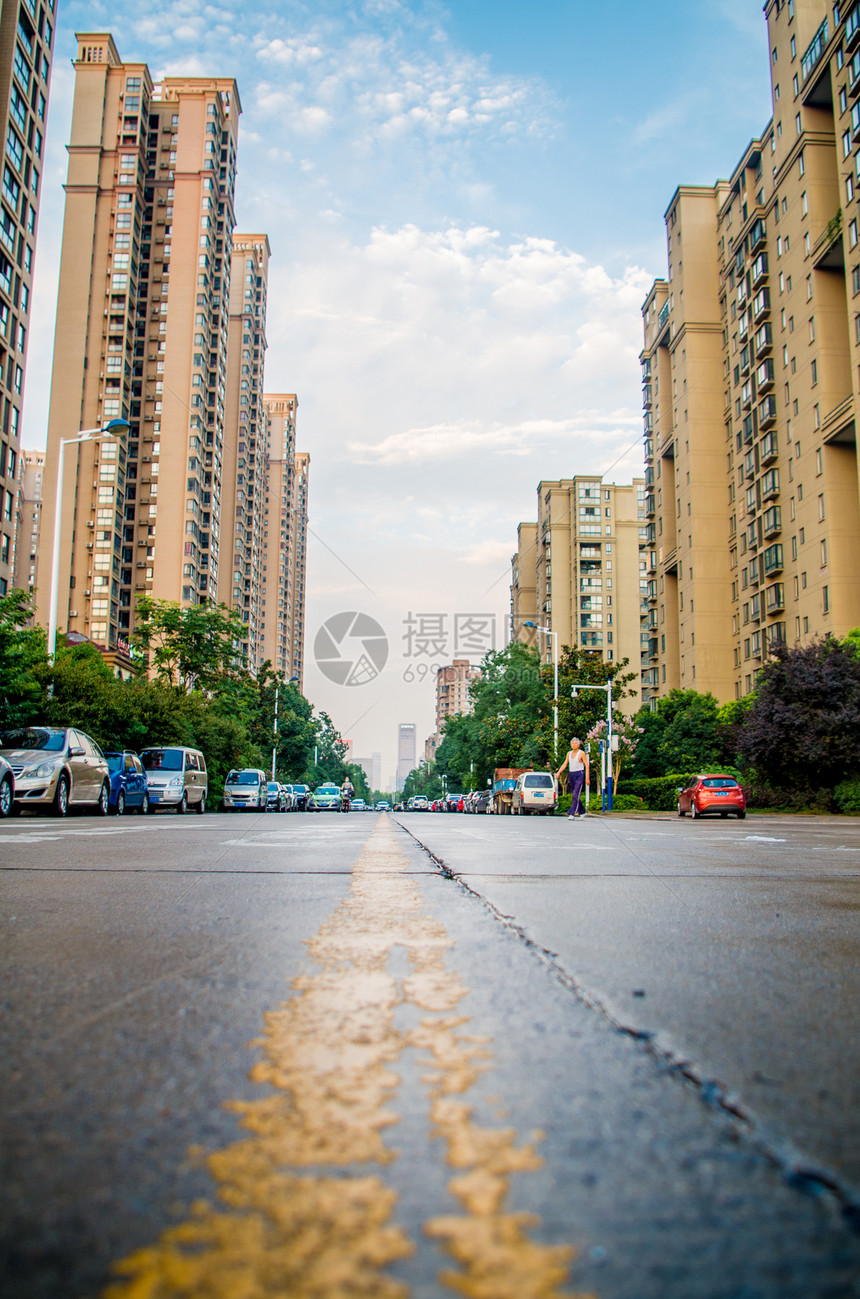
point(246, 790)
point(535, 791)
point(176, 777)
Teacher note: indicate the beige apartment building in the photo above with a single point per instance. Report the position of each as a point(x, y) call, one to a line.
point(587, 569)
point(26, 572)
point(243, 484)
point(26, 51)
point(751, 379)
point(142, 334)
point(285, 538)
point(452, 691)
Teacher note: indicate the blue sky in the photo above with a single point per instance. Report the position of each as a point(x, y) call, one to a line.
point(465, 205)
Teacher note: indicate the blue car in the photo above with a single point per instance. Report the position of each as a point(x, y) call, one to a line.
point(127, 783)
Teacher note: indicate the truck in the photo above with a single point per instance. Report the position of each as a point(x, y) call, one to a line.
point(504, 783)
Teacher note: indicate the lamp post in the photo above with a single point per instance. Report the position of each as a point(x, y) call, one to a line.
point(547, 631)
point(111, 429)
point(584, 685)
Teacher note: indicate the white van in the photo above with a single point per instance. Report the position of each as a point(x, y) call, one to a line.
point(246, 790)
point(176, 777)
point(535, 791)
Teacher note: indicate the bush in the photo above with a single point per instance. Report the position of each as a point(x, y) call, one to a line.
point(629, 803)
point(846, 795)
point(659, 794)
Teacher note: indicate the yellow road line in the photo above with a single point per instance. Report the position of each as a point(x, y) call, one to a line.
point(328, 1055)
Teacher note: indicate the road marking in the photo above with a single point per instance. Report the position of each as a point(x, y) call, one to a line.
point(328, 1054)
point(46, 836)
point(763, 838)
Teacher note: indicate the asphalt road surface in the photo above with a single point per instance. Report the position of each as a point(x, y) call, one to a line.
point(260, 1056)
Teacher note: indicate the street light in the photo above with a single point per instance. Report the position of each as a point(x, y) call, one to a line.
point(584, 685)
point(86, 435)
point(547, 631)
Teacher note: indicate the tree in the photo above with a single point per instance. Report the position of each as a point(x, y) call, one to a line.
point(682, 734)
point(193, 648)
point(802, 730)
point(23, 656)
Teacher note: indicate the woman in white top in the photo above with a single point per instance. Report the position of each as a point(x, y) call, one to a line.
point(576, 761)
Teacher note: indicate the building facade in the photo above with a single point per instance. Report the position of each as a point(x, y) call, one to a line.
point(26, 51)
point(587, 571)
point(751, 379)
point(143, 298)
point(243, 487)
point(29, 522)
point(286, 522)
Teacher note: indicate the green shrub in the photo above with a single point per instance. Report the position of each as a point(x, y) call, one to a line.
point(629, 803)
point(659, 794)
point(846, 795)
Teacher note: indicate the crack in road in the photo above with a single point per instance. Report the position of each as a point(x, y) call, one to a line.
point(798, 1170)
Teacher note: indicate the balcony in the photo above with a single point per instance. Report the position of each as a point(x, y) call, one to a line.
point(767, 449)
point(663, 317)
point(766, 412)
point(775, 598)
point(772, 559)
point(650, 506)
point(650, 531)
point(748, 429)
point(854, 75)
point(647, 396)
point(838, 424)
point(770, 484)
point(764, 375)
point(751, 535)
point(775, 636)
point(759, 268)
point(814, 51)
point(827, 251)
point(757, 234)
point(772, 521)
point(761, 303)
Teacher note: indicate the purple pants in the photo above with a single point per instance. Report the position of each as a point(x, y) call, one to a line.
point(576, 784)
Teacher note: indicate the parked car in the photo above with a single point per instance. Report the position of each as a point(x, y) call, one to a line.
point(359, 805)
point(176, 777)
point(419, 803)
point(128, 782)
point(276, 799)
point(246, 790)
point(382, 806)
point(484, 800)
point(325, 798)
point(7, 788)
point(452, 803)
point(535, 791)
point(57, 767)
point(712, 794)
point(300, 794)
point(289, 799)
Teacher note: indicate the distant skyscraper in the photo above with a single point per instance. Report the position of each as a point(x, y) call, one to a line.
point(406, 751)
point(143, 304)
point(26, 41)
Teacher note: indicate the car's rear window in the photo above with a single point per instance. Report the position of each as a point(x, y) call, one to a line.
point(539, 780)
point(162, 759)
point(33, 737)
point(720, 782)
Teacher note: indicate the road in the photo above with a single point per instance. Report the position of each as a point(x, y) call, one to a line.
point(423, 1055)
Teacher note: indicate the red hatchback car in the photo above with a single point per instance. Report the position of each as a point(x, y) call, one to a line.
point(712, 794)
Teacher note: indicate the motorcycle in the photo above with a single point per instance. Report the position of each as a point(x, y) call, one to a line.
point(344, 802)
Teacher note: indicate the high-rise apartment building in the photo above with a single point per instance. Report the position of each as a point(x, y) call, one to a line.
point(26, 50)
point(589, 571)
point(285, 538)
point(523, 584)
point(26, 572)
point(406, 752)
point(751, 379)
point(452, 691)
point(143, 305)
point(244, 511)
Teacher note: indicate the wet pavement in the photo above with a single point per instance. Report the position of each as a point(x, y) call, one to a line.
point(300, 1055)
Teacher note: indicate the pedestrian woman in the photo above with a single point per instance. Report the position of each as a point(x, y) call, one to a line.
point(576, 762)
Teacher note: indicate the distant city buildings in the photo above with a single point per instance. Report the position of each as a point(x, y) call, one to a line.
point(26, 52)
point(372, 768)
point(406, 752)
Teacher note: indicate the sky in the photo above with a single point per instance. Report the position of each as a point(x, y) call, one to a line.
point(465, 208)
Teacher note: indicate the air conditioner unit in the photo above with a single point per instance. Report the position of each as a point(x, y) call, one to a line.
point(89, 545)
point(91, 523)
point(73, 613)
point(87, 592)
point(141, 563)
